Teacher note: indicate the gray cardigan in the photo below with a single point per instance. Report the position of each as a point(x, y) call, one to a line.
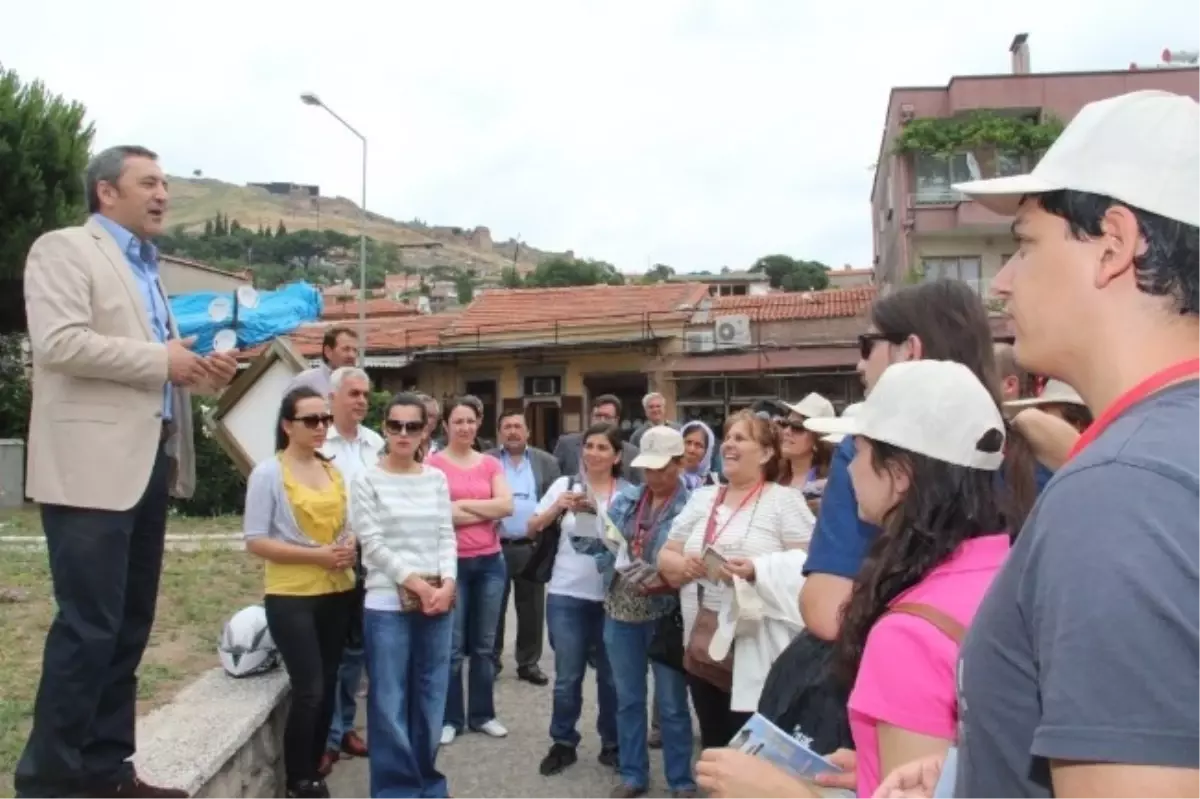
point(268, 512)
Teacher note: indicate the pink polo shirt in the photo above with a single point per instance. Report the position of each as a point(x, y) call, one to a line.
point(481, 538)
point(907, 675)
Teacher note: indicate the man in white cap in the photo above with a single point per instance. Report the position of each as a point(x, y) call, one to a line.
point(1078, 677)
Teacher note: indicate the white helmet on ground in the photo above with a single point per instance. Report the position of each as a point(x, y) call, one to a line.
point(246, 646)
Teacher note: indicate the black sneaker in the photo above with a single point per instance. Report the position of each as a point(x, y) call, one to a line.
point(557, 759)
point(609, 756)
point(309, 789)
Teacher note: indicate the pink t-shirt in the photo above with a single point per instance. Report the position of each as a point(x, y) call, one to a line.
point(907, 675)
point(481, 538)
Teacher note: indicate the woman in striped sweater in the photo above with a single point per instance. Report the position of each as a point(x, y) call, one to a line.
point(401, 511)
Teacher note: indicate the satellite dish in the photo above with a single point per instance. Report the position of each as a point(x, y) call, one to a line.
point(247, 297)
point(225, 341)
point(220, 309)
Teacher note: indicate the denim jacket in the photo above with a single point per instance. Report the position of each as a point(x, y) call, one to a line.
point(621, 511)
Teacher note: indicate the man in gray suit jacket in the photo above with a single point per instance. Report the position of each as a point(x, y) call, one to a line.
point(530, 472)
point(606, 409)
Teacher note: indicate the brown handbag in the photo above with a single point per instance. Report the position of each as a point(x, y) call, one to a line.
point(410, 602)
point(696, 660)
point(949, 626)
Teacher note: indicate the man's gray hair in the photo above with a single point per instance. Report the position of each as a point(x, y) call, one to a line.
point(651, 396)
point(106, 167)
point(345, 373)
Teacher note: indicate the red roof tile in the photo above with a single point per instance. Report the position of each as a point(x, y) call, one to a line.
point(338, 308)
point(383, 335)
point(499, 311)
point(781, 306)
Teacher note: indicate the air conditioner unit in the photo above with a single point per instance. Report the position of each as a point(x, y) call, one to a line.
point(699, 341)
point(732, 332)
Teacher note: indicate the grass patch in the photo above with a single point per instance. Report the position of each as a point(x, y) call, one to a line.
point(28, 521)
point(199, 591)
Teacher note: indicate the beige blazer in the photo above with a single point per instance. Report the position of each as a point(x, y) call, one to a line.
point(98, 376)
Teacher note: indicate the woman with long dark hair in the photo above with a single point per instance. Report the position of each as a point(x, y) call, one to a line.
point(928, 442)
point(805, 462)
point(480, 496)
point(295, 520)
point(402, 515)
point(575, 597)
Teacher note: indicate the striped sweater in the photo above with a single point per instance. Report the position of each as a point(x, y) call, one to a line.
point(404, 524)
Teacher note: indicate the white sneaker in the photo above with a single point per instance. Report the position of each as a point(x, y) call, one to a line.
point(448, 735)
point(494, 729)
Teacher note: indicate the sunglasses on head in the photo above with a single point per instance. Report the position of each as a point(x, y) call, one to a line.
point(406, 428)
point(314, 421)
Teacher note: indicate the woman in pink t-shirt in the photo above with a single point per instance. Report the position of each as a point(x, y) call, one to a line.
point(928, 442)
point(480, 496)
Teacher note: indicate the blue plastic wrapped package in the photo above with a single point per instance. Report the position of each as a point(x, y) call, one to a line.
point(277, 313)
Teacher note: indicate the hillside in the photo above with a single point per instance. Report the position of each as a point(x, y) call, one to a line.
point(195, 200)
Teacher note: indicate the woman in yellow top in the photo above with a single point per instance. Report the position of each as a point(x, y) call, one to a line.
point(295, 520)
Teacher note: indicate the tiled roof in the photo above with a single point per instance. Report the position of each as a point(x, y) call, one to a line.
point(338, 308)
point(202, 266)
point(781, 306)
point(502, 311)
point(383, 335)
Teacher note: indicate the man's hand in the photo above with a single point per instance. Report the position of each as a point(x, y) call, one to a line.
point(915, 779)
point(184, 367)
point(221, 368)
point(730, 773)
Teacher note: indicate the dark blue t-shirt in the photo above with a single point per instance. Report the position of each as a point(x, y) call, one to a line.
point(841, 540)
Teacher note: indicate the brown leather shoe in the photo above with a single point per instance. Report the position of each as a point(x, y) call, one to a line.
point(327, 760)
point(136, 789)
point(354, 745)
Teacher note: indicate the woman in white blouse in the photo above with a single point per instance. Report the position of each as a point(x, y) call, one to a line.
point(735, 551)
point(401, 512)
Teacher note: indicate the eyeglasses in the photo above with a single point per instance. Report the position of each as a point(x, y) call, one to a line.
point(866, 343)
point(316, 420)
point(796, 426)
point(403, 428)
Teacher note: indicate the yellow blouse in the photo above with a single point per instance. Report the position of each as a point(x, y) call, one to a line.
point(320, 515)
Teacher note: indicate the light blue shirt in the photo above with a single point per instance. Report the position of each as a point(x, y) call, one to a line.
point(142, 257)
point(524, 491)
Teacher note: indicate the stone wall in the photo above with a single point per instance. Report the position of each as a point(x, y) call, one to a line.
point(219, 737)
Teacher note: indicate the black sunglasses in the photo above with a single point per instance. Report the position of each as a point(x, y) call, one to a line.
point(316, 420)
point(407, 428)
point(866, 343)
point(791, 424)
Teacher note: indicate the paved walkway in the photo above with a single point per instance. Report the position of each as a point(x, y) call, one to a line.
point(477, 765)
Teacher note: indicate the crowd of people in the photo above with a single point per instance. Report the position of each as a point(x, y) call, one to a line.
point(971, 584)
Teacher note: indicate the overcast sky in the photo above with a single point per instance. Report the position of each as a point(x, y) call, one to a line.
point(687, 132)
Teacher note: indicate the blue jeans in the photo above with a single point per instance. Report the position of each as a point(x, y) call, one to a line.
point(576, 630)
point(480, 593)
point(627, 644)
point(408, 658)
point(345, 701)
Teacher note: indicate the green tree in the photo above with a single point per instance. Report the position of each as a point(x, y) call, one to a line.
point(15, 391)
point(510, 278)
point(44, 145)
point(657, 273)
point(464, 287)
point(789, 274)
point(560, 271)
point(281, 230)
point(235, 227)
point(208, 227)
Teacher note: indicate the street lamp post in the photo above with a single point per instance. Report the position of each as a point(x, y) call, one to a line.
point(308, 98)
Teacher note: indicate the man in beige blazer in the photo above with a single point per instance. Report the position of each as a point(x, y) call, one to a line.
point(110, 440)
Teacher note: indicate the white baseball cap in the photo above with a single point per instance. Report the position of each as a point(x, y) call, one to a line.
point(1055, 392)
point(934, 408)
point(850, 410)
point(813, 406)
point(1141, 148)
point(659, 446)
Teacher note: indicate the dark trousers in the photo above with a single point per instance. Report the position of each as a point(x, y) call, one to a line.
point(530, 601)
point(105, 566)
point(310, 633)
point(718, 724)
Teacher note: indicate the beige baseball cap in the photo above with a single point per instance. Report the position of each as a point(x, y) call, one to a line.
point(659, 446)
point(1141, 148)
point(1055, 392)
point(813, 406)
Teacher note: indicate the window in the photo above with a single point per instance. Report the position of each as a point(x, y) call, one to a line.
point(958, 267)
point(934, 174)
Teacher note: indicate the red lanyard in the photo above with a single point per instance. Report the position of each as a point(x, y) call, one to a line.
point(711, 533)
point(1151, 385)
point(642, 534)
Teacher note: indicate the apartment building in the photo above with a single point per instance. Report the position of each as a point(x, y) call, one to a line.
point(923, 229)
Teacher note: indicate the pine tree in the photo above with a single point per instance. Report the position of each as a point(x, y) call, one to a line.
point(281, 231)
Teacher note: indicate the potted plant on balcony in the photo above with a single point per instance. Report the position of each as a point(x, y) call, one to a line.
point(993, 139)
